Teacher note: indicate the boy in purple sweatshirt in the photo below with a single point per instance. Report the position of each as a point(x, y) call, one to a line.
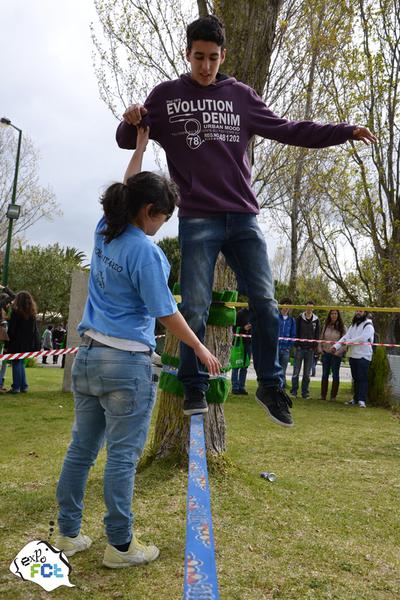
point(204, 121)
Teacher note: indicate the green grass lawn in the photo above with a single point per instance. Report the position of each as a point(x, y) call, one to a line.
point(328, 528)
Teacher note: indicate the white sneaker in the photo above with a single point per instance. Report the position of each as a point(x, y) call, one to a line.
point(362, 404)
point(71, 546)
point(137, 554)
point(351, 403)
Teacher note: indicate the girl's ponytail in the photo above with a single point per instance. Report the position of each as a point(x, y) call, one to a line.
point(115, 203)
point(121, 203)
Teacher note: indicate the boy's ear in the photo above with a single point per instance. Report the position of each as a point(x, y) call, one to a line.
point(187, 54)
point(223, 55)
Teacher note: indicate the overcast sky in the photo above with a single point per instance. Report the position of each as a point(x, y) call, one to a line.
point(49, 90)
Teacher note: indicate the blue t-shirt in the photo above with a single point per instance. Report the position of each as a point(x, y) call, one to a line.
point(128, 287)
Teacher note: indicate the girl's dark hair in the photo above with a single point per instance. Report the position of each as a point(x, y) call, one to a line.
point(338, 325)
point(122, 202)
point(208, 29)
point(24, 305)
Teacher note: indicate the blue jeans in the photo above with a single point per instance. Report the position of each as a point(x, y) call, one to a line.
point(241, 241)
point(238, 379)
point(284, 356)
point(330, 362)
point(3, 372)
point(18, 374)
point(302, 355)
point(359, 372)
point(114, 397)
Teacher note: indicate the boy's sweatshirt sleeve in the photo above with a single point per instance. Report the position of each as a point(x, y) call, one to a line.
point(127, 134)
point(308, 134)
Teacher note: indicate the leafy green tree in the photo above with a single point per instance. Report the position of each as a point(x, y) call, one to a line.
point(46, 274)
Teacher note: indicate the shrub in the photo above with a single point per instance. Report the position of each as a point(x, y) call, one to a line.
point(30, 362)
point(378, 379)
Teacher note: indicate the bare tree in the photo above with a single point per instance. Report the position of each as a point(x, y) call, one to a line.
point(361, 224)
point(35, 200)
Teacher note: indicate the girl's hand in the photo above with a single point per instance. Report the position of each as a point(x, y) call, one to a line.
point(142, 138)
point(209, 360)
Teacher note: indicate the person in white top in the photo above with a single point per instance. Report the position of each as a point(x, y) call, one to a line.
point(362, 334)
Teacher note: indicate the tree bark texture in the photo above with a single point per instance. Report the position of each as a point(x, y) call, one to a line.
point(171, 433)
point(250, 29)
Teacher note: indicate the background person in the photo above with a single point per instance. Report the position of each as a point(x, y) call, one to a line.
point(360, 356)
point(287, 329)
point(47, 341)
point(204, 121)
point(112, 380)
point(238, 376)
point(58, 339)
point(6, 298)
point(307, 327)
point(24, 337)
point(333, 330)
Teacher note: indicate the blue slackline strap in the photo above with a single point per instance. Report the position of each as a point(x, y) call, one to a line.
point(200, 572)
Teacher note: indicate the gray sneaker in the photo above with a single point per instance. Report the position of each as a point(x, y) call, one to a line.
point(71, 546)
point(137, 554)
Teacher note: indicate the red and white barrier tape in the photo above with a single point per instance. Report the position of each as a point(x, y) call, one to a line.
point(287, 339)
point(39, 353)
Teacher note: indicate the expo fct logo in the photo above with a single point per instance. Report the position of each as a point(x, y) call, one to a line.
point(43, 564)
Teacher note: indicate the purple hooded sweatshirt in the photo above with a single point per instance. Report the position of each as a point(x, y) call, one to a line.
point(205, 132)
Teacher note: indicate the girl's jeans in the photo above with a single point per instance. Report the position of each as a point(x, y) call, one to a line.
point(114, 397)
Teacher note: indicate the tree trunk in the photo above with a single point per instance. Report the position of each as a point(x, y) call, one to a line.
point(299, 168)
point(171, 433)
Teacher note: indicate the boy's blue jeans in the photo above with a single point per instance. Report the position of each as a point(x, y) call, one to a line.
point(239, 238)
point(114, 397)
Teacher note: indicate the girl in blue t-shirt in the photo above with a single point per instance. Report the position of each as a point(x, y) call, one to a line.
point(112, 374)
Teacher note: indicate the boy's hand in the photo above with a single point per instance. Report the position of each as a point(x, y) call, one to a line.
point(142, 138)
point(209, 360)
point(363, 134)
point(133, 114)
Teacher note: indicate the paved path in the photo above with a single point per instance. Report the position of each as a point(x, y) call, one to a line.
point(345, 374)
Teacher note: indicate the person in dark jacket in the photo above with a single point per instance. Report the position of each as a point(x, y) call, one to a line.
point(307, 326)
point(24, 337)
point(6, 297)
point(238, 377)
point(287, 329)
point(204, 121)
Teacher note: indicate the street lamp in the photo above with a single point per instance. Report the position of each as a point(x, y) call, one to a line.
point(13, 208)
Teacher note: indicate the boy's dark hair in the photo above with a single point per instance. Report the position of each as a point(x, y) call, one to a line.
point(208, 29)
point(122, 202)
point(310, 302)
point(285, 301)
